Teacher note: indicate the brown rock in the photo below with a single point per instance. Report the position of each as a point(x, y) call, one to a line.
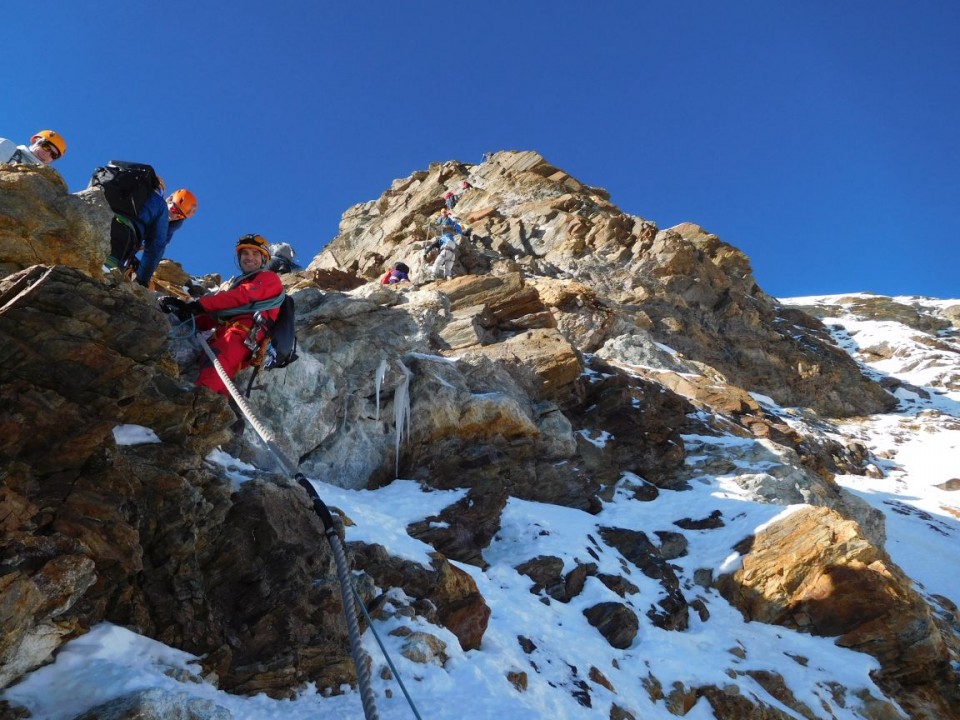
point(505, 297)
point(41, 223)
point(600, 679)
point(673, 612)
point(815, 572)
point(541, 359)
point(261, 582)
point(640, 423)
point(546, 571)
point(518, 679)
point(461, 531)
point(616, 622)
point(459, 606)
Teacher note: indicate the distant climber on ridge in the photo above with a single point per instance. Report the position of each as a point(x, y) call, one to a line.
point(446, 247)
point(400, 272)
point(242, 313)
point(451, 198)
point(282, 256)
point(45, 147)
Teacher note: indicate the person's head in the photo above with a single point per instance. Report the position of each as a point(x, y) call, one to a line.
point(445, 212)
point(181, 204)
point(47, 146)
point(283, 250)
point(401, 267)
point(253, 253)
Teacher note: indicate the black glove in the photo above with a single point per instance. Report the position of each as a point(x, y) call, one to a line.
point(170, 304)
point(181, 308)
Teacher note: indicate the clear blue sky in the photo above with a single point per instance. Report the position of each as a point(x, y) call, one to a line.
point(822, 137)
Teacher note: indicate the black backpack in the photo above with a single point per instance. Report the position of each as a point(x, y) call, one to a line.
point(126, 185)
point(283, 336)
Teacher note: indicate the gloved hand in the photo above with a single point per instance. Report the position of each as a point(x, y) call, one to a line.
point(170, 304)
point(181, 308)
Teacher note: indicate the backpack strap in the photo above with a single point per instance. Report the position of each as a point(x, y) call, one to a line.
point(256, 307)
point(268, 304)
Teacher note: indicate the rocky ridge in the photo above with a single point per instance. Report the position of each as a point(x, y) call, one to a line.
point(583, 353)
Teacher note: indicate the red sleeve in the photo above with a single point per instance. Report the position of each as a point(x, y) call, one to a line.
point(386, 278)
point(262, 286)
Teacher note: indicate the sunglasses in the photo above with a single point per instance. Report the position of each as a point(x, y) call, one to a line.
point(50, 148)
point(175, 209)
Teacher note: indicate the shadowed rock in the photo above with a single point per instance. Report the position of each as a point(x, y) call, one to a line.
point(815, 572)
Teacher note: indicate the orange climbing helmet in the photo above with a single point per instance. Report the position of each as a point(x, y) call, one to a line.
point(254, 242)
point(184, 202)
point(52, 137)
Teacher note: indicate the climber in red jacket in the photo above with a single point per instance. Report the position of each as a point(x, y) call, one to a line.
point(240, 326)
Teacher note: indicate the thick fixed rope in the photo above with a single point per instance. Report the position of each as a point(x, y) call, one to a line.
point(383, 649)
point(360, 658)
point(285, 462)
point(346, 595)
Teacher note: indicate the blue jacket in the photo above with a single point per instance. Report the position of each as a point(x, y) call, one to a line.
point(155, 232)
point(449, 222)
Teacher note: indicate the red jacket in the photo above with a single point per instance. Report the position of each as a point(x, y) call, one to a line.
point(263, 285)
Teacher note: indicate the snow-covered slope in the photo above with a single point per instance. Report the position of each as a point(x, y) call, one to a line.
point(912, 345)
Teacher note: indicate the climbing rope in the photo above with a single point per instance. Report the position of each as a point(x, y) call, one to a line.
point(353, 627)
point(360, 658)
point(376, 636)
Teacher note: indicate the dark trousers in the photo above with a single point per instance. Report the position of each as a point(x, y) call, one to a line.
point(124, 242)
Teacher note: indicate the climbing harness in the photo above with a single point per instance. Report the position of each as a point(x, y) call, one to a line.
point(260, 353)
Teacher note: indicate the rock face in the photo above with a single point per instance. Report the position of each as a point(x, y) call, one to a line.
point(815, 572)
point(142, 535)
point(41, 223)
point(684, 286)
point(580, 354)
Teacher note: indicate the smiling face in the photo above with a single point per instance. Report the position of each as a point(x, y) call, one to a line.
point(173, 211)
point(44, 151)
point(251, 260)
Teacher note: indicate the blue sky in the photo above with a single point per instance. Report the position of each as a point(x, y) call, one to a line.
point(819, 137)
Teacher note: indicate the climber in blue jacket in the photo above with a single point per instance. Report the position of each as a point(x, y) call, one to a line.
point(151, 227)
point(153, 223)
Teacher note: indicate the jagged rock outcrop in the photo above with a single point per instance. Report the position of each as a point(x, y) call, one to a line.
point(683, 285)
point(142, 535)
point(816, 572)
point(927, 347)
point(42, 223)
point(444, 593)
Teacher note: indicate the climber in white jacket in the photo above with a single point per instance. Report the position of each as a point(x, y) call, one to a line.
point(45, 147)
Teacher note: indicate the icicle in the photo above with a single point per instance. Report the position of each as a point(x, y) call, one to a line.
point(378, 380)
point(401, 412)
